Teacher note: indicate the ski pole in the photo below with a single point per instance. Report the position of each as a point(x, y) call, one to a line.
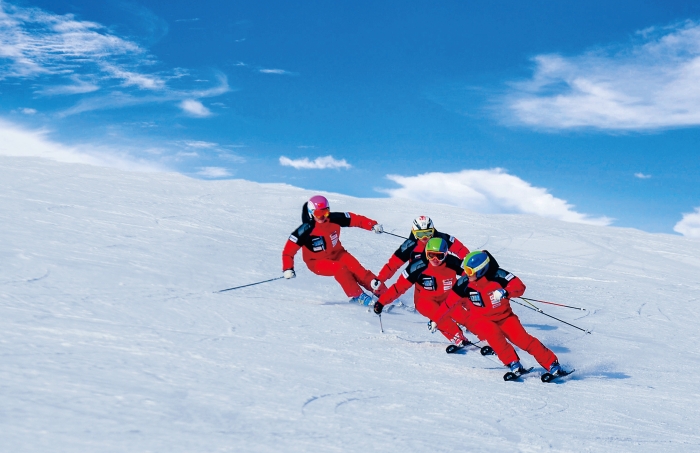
point(386, 232)
point(381, 327)
point(552, 303)
point(250, 284)
point(540, 311)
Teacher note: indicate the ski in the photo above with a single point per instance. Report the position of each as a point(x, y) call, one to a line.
point(486, 350)
point(511, 376)
point(549, 377)
point(453, 348)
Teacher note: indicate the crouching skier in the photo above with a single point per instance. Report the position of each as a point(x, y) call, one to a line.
point(319, 238)
point(485, 292)
point(433, 275)
point(412, 249)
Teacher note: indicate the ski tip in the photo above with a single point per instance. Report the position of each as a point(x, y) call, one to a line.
point(487, 350)
point(549, 377)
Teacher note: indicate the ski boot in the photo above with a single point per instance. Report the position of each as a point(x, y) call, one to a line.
point(555, 371)
point(516, 370)
point(363, 299)
point(459, 342)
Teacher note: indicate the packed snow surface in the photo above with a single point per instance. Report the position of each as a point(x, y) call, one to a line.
point(113, 338)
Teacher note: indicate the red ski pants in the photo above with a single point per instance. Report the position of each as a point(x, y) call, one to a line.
point(498, 333)
point(429, 308)
point(346, 270)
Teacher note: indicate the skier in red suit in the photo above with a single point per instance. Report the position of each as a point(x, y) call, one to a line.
point(319, 238)
point(433, 275)
point(484, 293)
point(413, 247)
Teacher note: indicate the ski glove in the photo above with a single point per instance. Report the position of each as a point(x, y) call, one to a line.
point(498, 294)
point(375, 284)
point(377, 228)
point(378, 308)
point(432, 326)
point(289, 273)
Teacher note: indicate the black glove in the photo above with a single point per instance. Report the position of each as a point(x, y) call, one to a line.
point(378, 308)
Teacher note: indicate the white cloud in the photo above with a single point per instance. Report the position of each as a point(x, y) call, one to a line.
point(276, 71)
point(649, 84)
point(213, 172)
point(642, 176)
point(200, 144)
point(488, 191)
point(34, 42)
point(28, 111)
point(20, 142)
point(319, 163)
point(689, 225)
point(118, 99)
point(195, 108)
point(67, 56)
point(130, 78)
point(78, 86)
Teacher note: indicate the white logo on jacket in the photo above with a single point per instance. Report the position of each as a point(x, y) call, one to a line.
point(334, 238)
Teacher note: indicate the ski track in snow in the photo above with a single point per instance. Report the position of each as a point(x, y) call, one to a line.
point(114, 340)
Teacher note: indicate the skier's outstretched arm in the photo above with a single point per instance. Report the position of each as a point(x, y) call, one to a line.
point(290, 249)
point(394, 291)
point(390, 268)
point(360, 221)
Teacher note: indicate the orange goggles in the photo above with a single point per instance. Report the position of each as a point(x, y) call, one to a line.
point(472, 271)
point(422, 234)
point(435, 256)
point(322, 213)
point(469, 271)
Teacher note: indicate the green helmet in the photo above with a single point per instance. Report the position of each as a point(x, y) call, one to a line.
point(436, 250)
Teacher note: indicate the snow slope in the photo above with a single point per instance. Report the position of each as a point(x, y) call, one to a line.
point(113, 340)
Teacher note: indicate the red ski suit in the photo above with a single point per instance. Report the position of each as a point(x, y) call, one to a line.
point(412, 249)
point(325, 255)
point(493, 320)
point(432, 286)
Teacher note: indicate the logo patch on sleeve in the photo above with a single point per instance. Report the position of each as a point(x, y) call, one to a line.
point(293, 238)
point(347, 214)
point(408, 244)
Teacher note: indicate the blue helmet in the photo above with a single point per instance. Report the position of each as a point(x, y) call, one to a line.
point(476, 263)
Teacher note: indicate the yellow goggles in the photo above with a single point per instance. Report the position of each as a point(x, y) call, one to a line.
point(422, 234)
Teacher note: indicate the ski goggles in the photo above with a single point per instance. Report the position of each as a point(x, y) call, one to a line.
point(423, 234)
point(435, 256)
point(472, 271)
point(321, 213)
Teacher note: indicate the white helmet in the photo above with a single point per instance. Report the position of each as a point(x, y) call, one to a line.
point(422, 223)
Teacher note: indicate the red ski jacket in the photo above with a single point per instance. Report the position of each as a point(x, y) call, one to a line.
point(477, 296)
point(321, 240)
point(412, 250)
point(434, 282)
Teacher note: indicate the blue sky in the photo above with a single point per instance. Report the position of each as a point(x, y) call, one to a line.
point(580, 112)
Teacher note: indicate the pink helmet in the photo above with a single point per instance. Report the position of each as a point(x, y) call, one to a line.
point(318, 207)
